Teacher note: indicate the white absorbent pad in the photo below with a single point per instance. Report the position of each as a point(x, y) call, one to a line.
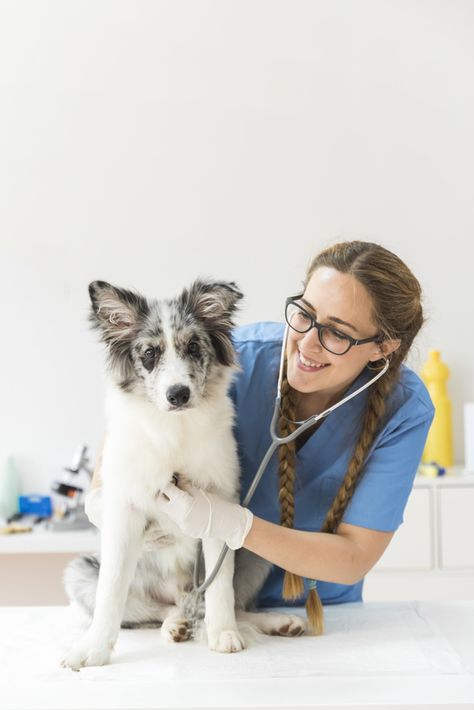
point(359, 639)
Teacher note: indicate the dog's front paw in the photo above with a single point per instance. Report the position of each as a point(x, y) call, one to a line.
point(85, 653)
point(176, 630)
point(225, 640)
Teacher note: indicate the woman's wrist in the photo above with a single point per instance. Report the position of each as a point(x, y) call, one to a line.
point(235, 539)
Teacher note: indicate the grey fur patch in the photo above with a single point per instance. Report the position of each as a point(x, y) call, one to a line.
point(214, 305)
point(142, 609)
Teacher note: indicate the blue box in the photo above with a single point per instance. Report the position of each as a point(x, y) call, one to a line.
point(36, 505)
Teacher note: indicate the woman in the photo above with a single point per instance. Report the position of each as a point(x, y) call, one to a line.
point(328, 508)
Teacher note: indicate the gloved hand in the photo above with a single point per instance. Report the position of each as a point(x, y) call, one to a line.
point(154, 537)
point(200, 514)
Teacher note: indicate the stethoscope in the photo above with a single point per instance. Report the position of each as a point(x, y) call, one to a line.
point(276, 441)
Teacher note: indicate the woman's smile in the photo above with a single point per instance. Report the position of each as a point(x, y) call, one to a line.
point(307, 365)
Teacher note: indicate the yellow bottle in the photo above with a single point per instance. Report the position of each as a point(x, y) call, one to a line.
point(439, 444)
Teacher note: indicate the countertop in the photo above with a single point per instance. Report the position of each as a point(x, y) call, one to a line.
point(402, 654)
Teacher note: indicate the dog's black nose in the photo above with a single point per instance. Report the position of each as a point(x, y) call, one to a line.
point(178, 395)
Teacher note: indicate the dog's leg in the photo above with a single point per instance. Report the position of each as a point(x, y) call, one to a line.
point(250, 574)
point(122, 534)
point(176, 627)
point(273, 623)
point(221, 626)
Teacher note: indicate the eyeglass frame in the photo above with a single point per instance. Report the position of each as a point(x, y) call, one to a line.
point(314, 324)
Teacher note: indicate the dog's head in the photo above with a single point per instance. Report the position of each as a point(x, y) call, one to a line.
point(170, 351)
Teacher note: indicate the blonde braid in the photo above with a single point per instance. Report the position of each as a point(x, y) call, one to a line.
point(293, 585)
point(375, 410)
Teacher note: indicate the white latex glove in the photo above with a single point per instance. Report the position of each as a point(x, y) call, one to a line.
point(154, 537)
point(202, 514)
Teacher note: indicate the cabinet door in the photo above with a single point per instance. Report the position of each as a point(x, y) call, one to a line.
point(412, 545)
point(456, 534)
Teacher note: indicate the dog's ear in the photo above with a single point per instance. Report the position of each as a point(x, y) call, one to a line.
point(117, 312)
point(214, 303)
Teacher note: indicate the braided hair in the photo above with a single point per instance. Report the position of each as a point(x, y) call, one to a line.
point(398, 314)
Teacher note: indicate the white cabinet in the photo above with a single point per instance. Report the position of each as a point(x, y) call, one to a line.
point(412, 545)
point(455, 527)
point(431, 555)
point(32, 565)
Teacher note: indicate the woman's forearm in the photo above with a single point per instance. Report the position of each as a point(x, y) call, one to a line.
point(316, 555)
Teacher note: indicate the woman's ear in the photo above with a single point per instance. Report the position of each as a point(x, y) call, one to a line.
point(384, 349)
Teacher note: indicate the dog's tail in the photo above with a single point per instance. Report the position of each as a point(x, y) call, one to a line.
point(80, 579)
point(80, 582)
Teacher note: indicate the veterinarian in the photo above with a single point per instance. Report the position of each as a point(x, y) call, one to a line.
point(329, 503)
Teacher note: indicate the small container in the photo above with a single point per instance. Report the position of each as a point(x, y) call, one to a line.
point(432, 470)
point(36, 505)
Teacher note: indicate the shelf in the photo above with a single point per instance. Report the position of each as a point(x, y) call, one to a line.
point(454, 476)
point(50, 542)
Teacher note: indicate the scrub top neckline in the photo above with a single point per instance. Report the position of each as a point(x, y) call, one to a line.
point(330, 421)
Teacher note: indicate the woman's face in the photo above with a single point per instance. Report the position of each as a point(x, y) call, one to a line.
point(331, 295)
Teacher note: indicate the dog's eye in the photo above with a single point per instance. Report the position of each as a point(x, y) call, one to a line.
point(152, 353)
point(150, 356)
point(193, 347)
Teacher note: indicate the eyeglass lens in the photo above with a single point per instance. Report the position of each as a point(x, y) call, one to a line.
point(300, 321)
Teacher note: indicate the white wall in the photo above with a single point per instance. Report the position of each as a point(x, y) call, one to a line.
point(147, 143)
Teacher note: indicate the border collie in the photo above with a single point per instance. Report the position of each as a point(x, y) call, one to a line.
point(169, 367)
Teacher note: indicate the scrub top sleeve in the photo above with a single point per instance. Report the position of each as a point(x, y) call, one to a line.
point(382, 492)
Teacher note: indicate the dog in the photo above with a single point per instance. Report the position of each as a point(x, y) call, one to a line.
point(169, 367)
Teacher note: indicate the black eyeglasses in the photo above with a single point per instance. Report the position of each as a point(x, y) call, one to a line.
point(331, 339)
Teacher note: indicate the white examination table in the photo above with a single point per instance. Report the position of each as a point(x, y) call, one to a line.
point(410, 655)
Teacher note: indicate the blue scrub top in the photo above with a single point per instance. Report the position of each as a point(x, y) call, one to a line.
point(382, 491)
